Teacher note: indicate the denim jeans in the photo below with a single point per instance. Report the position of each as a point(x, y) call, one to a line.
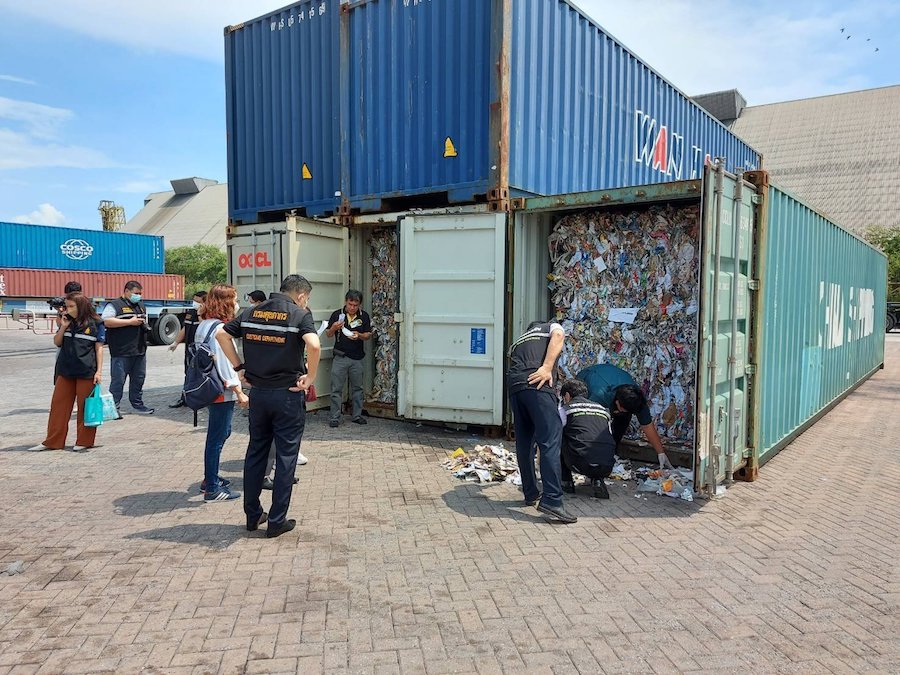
point(276, 414)
point(135, 369)
point(341, 367)
point(536, 421)
point(218, 430)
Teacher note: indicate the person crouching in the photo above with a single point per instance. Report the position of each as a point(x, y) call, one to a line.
point(588, 446)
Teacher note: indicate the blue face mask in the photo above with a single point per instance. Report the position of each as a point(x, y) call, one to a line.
point(135, 298)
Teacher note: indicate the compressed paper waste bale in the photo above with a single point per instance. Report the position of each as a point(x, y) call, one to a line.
point(625, 288)
point(383, 249)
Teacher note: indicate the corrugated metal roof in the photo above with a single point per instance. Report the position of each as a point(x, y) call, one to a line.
point(185, 219)
point(839, 153)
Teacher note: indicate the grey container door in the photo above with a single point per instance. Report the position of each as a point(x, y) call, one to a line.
point(452, 307)
point(723, 401)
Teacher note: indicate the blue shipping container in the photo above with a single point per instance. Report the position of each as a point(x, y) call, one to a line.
point(531, 95)
point(282, 111)
point(448, 101)
point(67, 248)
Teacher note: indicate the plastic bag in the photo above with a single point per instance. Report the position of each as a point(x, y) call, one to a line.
point(110, 412)
point(93, 408)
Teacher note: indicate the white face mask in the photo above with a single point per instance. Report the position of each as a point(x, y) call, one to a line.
point(196, 304)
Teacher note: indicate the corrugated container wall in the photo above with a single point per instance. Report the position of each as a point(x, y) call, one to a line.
point(282, 83)
point(569, 108)
point(821, 318)
point(587, 114)
point(45, 284)
point(68, 248)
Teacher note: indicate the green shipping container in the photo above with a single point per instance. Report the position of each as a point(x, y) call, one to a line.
point(820, 315)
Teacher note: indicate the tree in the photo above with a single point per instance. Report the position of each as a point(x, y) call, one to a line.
point(888, 240)
point(201, 265)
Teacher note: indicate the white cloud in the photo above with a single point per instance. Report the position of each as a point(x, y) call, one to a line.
point(17, 80)
point(770, 50)
point(22, 151)
point(192, 28)
point(45, 214)
point(41, 121)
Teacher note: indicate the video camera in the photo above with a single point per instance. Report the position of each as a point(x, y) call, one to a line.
point(58, 303)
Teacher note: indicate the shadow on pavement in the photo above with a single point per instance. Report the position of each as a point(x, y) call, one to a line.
point(211, 535)
point(151, 503)
point(475, 500)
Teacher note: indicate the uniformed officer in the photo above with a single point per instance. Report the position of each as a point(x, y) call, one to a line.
point(588, 447)
point(617, 391)
point(350, 327)
point(533, 402)
point(187, 333)
point(274, 334)
point(126, 324)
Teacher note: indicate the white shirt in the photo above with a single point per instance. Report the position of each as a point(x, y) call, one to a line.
point(223, 365)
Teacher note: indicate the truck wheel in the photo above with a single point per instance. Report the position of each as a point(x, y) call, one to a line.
point(889, 323)
point(165, 330)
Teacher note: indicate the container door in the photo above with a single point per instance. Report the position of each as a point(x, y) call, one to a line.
point(728, 224)
point(261, 256)
point(451, 344)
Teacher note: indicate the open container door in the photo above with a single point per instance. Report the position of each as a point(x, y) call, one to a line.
point(724, 370)
point(452, 311)
point(261, 255)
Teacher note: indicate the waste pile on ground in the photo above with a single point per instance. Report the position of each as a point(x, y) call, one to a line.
point(678, 483)
point(484, 464)
point(383, 248)
point(625, 287)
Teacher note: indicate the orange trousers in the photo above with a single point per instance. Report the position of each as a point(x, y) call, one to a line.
point(65, 393)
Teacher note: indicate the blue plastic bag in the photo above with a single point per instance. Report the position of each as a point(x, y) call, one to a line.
point(93, 408)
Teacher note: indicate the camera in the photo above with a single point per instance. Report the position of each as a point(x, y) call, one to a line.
point(57, 303)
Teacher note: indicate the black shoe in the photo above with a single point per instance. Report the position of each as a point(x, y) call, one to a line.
point(334, 424)
point(600, 491)
point(568, 486)
point(278, 530)
point(143, 411)
point(268, 484)
point(558, 512)
point(360, 420)
point(253, 526)
point(178, 404)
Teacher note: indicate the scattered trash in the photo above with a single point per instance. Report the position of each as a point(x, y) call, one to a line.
point(485, 464)
point(625, 288)
point(383, 247)
point(677, 483)
point(621, 470)
point(18, 567)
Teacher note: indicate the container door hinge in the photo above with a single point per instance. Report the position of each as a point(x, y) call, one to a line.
point(750, 369)
point(753, 284)
point(756, 199)
point(398, 317)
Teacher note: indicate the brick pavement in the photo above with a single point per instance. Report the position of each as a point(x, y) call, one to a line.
point(396, 566)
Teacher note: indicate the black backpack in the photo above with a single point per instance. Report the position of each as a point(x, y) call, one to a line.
point(202, 384)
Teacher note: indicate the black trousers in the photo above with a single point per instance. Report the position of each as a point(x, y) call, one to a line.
point(276, 414)
point(620, 424)
point(591, 471)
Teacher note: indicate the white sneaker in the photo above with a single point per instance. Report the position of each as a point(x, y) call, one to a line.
point(301, 459)
point(39, 448)
point(80, 448)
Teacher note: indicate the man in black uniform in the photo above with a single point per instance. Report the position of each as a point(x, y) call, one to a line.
point(350, 326)
point(588, 446)
point(532, 400)
point(275, 333)
point(126, 335)
point(186, 335)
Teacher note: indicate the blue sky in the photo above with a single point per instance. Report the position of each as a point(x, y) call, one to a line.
point(107, 100)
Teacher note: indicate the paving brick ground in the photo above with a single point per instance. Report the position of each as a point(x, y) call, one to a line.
point(396, 566)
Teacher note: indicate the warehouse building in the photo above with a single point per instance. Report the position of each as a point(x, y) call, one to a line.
point(837, 152)
point(194, 211)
